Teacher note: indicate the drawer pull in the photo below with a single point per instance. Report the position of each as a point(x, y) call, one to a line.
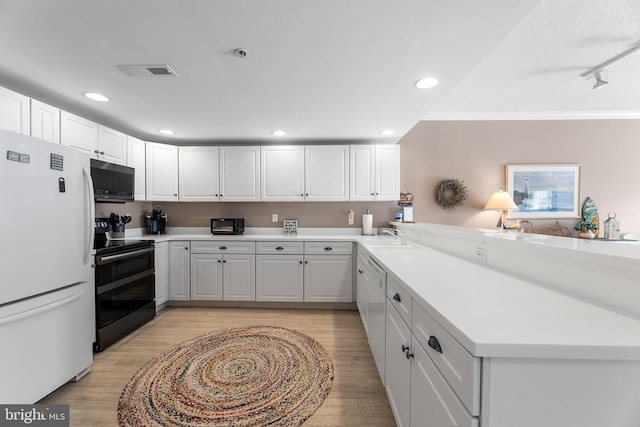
point(328, 248)
point(434, 344)
point(397, 297)
point(279, 248)
point(223, 248)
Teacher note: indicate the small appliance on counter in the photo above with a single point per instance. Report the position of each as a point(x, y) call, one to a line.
point(156, 221)
point(227, 226)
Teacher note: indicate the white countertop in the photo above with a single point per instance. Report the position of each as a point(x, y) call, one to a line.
point(491, 313)
point(495, 315)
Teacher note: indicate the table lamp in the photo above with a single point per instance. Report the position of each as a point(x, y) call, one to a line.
point(501, 201)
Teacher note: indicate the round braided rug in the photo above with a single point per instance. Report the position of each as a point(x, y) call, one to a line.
point(250, 376)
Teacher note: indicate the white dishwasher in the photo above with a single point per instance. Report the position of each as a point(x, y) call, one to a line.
point(376, 314)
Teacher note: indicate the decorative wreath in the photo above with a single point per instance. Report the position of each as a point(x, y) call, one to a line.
point(451, 193)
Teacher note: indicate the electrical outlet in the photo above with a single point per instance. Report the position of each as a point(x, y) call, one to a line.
point(480, 254)
point(274, 217)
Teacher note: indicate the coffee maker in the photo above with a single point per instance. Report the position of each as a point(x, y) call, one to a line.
point(156, 221)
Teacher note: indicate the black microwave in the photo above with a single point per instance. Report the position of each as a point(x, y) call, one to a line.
point(112, 183)
point(227, 225)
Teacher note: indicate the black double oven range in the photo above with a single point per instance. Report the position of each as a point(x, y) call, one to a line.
point(125, 285)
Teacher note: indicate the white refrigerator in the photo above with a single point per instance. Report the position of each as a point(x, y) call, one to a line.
point(47, 302)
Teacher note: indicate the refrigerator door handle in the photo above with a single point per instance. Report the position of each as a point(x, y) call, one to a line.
point(43, 308)
point(90, 213)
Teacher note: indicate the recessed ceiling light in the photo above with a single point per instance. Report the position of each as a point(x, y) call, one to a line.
point(96, 96)
point(426, 82)
point(278, 133)
point(166, 132)
point(387, 132)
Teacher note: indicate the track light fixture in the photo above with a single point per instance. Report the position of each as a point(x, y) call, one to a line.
point(599, 80)
point(598, 71)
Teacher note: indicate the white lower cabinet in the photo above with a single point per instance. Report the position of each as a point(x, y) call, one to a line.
point(162, 273)
point(418, 392)
point(362, 284)
point(398, 367)
point(206, 277)
point(223, 270)
point(328, 272)
point(433, 402)
point(179, 271)
point(279, 278)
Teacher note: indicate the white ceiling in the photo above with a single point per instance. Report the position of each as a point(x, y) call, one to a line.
point(330, 70)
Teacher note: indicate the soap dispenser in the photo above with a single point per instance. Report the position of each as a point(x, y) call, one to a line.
point(350, 217)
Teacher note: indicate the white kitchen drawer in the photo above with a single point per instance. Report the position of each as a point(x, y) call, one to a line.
point(222, 247)
point(279, 248)
point(455, 363)
point(433, 402)
point(399, 298)
point(328, 248)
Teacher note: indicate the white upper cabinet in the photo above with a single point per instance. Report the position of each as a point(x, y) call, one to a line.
point(240, 174)
point(375, 172)
point(136, 159)
point(199, 174)
point(162, 172)
point(282, 172)
point(14, 112)
point(79, 133)
point(326, 173)
point(45, 122)
point(99, 142)
point(112, 146)
point(387, 172)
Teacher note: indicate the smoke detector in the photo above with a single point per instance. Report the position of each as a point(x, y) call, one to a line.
point(147, 70)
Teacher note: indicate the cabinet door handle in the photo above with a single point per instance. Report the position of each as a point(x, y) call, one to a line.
point(407, 351)
point(434, 344)
point(279, 248)
point(397, 297)
point(186, 248)
point(224, 260)
point(223, 248)
point(96, 151)
point(306, 262)
point(102, 152)
point(219, 260)
point(328, 248)
point(300, 262)
point(360, 271)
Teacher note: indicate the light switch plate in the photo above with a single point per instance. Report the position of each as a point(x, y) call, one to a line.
point(290, 225)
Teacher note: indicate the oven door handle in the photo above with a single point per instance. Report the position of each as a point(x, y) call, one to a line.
point(104, 259)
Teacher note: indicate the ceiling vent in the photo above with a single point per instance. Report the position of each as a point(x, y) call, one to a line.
point(147, 70)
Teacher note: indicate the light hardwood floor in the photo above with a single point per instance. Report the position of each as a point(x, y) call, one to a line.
point(357, 397)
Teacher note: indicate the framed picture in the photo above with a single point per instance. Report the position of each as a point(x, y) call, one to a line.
point(544, 191)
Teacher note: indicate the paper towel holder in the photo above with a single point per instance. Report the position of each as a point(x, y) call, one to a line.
point(367, 224)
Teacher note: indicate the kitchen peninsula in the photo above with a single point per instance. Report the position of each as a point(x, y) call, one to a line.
point(498, 328)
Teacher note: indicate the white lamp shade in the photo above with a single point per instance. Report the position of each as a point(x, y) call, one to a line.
point(500, 200)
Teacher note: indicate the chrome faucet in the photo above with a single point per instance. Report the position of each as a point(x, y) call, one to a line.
point(398, 235)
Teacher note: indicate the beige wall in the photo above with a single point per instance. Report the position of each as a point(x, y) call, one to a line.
point(476, 152)
point(328, 214)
